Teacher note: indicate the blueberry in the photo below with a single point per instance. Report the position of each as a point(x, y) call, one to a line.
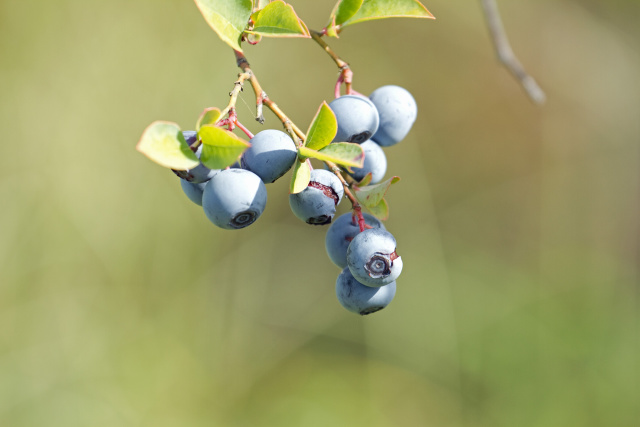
point(372, 257)
point(271, 155)
point(317, 203)
point(193, 190)
point(340, 234)
point(357, 118)
point(234, 198)
point(361, 299)
point(375, 161)
point(397, 110)
point(200, 173)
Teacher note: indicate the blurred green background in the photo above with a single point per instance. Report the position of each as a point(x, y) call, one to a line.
point(121, 305)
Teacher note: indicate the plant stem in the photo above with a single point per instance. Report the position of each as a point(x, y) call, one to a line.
point(263, 98)
point(317, 37)
point(357, 209)
point(505, 52)
point(296, 134)
point(346, 75)
point(243, 128)
point(237, 88)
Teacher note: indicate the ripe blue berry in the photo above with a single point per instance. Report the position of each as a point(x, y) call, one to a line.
point(193, 190)
point(398, 111)
point(375, 162)
point(372, 258)
point(317, 203)
point(361, 299)
point(200, 173)
point(271, 155)
point(357, 118)
point(340, 234)
point(234, 198)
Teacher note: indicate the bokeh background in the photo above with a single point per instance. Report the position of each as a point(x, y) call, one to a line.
point(121, 305)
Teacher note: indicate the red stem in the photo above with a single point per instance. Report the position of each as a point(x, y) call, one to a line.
point(338, 84)
point(242, 128)
point(357, 213)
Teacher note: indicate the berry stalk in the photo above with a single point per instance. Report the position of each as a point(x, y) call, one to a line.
point(263, 98)
point(346, 75)
point(357, 209)
point(296, 134)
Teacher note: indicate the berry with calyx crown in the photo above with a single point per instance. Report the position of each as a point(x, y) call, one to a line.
point(317, 203)
point(234, 198)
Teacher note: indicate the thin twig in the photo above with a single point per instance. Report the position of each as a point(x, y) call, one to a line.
point(357, 209)
point(317, 37)
point(242, 62)
point(346, 75)
point(505, 52)
point(296, 134)
point(237, 88)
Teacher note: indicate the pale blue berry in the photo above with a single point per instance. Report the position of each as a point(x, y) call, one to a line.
point(361, 299)
point(375, 162)
point(234, 198)
point(271, 155)
point(317, 203)
point(341, 232)
point(372, 257)
point(357, 118)
point(398, 111)
point(193, 190)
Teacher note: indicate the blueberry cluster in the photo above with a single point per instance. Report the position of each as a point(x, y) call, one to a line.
point(382, 120)
point(358, 243)
point(368, 258)
point(369, 262)
point(235, 198)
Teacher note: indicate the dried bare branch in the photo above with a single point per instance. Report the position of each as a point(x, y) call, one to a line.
point(505, 52)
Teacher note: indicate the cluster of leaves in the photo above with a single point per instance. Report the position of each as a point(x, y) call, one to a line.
point(233, 20)
point(164, 143)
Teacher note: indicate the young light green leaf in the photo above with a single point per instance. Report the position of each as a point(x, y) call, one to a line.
point(343, 11)
point(323, 128)
point(380, 211)
point(371, 195)
point(378, 9)
point(301, 176)
point(278, 19)
point(341, 153)
point(262, 3)
point(331, 29)
point(220, 148)
point(208, 117)
point(228, 18)
point(164, 143)
point(366, 180)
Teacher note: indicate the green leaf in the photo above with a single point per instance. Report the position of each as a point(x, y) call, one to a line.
point(342, 153)
point(323, 128)
point(380, 211)
point(366, 180)
point(378, 9)
point(220, 148)
point(208, 117)
point(228, 18)
point(344, 10)
point(301, 176)
point(262, 3)
point(164, 143)
point(278, 19)
point(331, 29)
point(371, 195)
